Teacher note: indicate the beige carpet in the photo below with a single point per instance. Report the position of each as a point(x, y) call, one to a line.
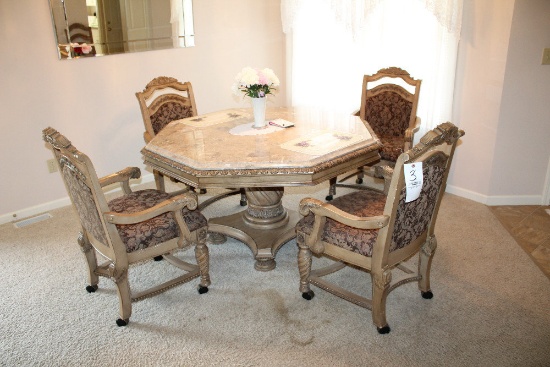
point(491, 306)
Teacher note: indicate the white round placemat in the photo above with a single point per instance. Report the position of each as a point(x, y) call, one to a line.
point(247, 129)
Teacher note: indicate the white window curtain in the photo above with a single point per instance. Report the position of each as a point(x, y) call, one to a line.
point(333, 43)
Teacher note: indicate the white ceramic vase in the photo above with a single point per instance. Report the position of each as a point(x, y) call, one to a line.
point(258, 106)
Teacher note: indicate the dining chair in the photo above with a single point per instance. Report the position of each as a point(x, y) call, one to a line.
point(164, 100)
point(80, 33)
point(378, 233)
point(134, 227)
point(388, 103)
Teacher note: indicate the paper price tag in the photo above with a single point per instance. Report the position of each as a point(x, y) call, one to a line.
point(413, 180)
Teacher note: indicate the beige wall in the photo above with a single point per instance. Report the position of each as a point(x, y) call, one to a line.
point(481, 65)
point(523, 149)
point(502, 101)
point(92, 101)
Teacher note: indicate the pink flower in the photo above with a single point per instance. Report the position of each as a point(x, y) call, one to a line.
point(86, 49)
point(255, 83)
point(262, 78)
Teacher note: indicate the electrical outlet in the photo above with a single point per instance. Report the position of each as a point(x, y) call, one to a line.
point(52, 167)
point(546, 56)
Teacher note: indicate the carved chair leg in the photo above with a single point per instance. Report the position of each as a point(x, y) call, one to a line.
point(304, 266)
point(91, 259)
point(159, 181)
point(424, 265)
point(380, 287)
point(203, 259)
point(331, 189)
point(120, 277)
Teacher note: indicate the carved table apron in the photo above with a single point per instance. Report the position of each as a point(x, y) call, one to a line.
point(218, 150)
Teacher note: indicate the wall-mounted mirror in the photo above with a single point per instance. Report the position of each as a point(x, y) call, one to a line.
point(89, 28)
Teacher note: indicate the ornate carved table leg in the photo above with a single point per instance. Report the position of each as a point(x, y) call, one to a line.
point(264, 226)
point(265, 208)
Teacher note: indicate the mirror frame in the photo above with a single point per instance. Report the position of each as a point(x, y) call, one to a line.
point(128, 39)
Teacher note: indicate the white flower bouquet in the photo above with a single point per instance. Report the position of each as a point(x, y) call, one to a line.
point(255, 83)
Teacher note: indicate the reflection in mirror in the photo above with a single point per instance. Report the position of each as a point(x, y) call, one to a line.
point(88, 28)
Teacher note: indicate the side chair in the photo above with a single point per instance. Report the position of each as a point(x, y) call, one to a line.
point(79, 32)
point(374, 232)
point(132, 228)
point(164, 100)
point(389, 102)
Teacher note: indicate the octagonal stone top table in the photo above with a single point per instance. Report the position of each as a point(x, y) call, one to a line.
point(222, 149)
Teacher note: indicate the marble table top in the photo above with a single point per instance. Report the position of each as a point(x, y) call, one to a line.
point(221, 148)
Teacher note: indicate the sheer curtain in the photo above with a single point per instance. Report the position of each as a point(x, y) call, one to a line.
point(333, 43)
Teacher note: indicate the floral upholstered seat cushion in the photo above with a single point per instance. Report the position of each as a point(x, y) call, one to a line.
point(363, 203)
point(153, 231)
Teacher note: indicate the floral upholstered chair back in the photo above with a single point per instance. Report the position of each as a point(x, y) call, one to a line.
point(82, 184)
point(413, 218)
point(413, 222)
point(388, 104)
point(164, 100)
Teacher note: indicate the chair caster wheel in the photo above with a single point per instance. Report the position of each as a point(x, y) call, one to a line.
point(359, 181)
point(384, 329)
point(328, 198)
point(202, 191)
point(121, 322)
point(202, 290)
point(427, 295)
point(308, 295)
point(243, 202)
point(91, 288)
point(158, 258)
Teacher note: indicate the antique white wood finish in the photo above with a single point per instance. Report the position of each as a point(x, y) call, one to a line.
point(202, 152)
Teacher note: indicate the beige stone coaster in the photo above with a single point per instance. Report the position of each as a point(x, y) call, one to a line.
point(247, 129)
point(323, 143)
point(214, 118)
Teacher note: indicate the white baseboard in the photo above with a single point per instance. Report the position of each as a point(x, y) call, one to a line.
point(56, 204)
point(514, 200)
point(467, 194)
point(34, 210)
point(497, 199)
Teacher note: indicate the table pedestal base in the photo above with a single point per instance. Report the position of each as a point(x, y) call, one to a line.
point(264, 226)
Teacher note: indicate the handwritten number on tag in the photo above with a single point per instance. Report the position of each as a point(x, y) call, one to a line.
point(413, 180)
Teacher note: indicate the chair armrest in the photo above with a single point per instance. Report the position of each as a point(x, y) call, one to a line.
point(173, 204)
point(327, 210)
point(123, 177)
point(387, 174)
point(409, 133)
point(416, 124)
point(147, 137)
point(322, 211)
